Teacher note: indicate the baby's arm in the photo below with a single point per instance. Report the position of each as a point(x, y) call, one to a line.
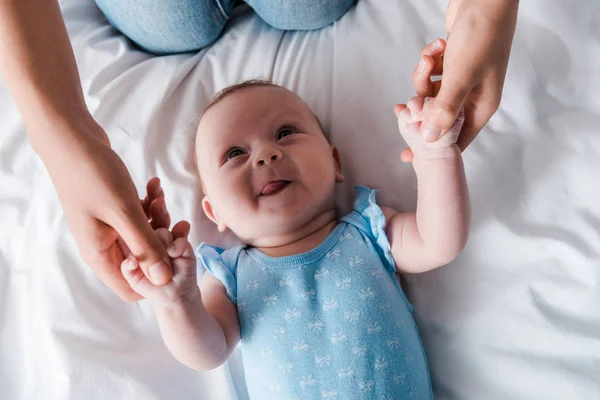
point(436, 234)
point(199, 325)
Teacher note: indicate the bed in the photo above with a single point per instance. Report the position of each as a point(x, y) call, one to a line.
point(516, 316)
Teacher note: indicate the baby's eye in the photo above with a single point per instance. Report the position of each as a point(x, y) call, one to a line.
point(233, 153)
point(283, 132)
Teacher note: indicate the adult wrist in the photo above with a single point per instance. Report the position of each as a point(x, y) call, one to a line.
point(51, 134)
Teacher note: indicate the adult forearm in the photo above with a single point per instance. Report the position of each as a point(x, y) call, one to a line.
point(38, 66)
point(443, 205)
point(192, 334)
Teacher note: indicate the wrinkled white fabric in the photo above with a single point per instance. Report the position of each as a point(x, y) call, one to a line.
point(516, 316)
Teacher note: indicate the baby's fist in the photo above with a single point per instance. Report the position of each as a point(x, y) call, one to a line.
point(410, 117)
point(181, 287)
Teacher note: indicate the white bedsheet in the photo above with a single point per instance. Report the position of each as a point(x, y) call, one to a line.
point(517, 316)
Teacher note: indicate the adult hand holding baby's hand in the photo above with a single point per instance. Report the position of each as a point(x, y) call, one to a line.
point(183, 286)
point(410, 119)
point(174, 243)
point(472, 64)
point(102, 206)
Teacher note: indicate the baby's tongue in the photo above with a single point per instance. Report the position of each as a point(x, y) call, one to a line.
point(272, 187)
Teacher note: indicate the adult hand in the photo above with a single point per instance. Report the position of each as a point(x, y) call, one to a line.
point(95, 189)
point(104, 211)
point(472, 64)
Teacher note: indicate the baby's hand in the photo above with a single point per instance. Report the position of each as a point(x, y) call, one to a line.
point(410, 116)
point(183, 286)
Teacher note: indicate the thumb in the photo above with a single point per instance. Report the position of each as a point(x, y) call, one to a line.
point(144, 244)
point(135, 277)
point(441, 113)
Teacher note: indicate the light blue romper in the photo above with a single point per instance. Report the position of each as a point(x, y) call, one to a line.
point(332, 323)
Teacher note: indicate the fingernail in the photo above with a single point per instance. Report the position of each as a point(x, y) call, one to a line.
point(159, 273)
point(422, 64)
point(430, 132)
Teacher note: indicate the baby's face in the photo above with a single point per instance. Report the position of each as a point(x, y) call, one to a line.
point(266, 165)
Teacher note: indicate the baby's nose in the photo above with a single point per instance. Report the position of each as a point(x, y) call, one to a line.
point(268, 156)
point(272, 158)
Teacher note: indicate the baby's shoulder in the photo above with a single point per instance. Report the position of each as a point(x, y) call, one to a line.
point(366, 214)
point(222, 264)
point(371, 219)
point(209, 254)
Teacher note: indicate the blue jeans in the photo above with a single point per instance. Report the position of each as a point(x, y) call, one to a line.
point(176, 26)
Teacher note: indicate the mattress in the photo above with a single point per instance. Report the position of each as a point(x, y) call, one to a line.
point(516, 316)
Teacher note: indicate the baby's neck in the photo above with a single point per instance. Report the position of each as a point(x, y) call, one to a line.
point(305, 239)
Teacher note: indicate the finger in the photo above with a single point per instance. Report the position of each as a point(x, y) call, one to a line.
point(441, 114)
point(136, 232)
point(406, 155)
point(438, 65)
point(404, 118)
point(430, 63)
point(165, 236)
point(103, 254)
point(153, 190)
point(398, 108)
point(159, 214)
point(124, 248)
point(435, 48)
point(427, 67)
point(422, 76)
point(435, 52)
point(415, 105)
point(135, 277)
point(188, 252)
point(185, 261)
point(181, 230)
point(177, 248)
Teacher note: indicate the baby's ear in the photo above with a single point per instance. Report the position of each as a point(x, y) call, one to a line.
point(212, 215)
point(339, 177)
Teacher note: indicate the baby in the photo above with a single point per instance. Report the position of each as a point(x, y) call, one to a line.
point(315, 300)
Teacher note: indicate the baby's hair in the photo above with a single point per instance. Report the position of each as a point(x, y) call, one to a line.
point(246, 84)
point(236, 87)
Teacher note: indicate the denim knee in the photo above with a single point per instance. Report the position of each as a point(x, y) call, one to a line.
point(300, 14)
point(168, 26)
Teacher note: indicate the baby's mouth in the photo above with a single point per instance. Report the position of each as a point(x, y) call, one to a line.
point(274, 187)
